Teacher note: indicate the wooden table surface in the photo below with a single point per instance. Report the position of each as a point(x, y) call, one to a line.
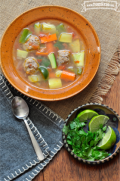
point(65, 168)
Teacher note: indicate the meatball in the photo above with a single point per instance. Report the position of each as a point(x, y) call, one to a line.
point(63, 56)
point(30, 65)
point(33, 43)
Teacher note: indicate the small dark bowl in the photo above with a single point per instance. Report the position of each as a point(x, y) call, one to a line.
point(114, 123)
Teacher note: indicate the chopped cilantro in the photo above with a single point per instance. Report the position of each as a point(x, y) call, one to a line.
point(84, 144)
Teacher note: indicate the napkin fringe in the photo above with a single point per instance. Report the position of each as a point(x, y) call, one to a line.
point(108, 79)
point(49, 155)
point(5, 88)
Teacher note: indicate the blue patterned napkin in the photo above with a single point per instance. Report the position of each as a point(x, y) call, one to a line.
point(18, 160)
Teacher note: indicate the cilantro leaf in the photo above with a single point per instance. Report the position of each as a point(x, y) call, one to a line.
point(69, 142)
point(104, 128)
point(59, 45)
point(91, 143)
point(45, 62)
point(91, 159)
point(72, 125)
point(68, 136)
point(65, 129)
point(82, 132)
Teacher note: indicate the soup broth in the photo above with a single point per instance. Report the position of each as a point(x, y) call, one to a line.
point(49, 54)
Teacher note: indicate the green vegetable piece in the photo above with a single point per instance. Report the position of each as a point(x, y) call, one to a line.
point(59, 45)
point(82, 132)
point(65, 129)
point(25, 35)
point(69, 136)
point(92, 143)
point(100, 133)
point(81, 124)
point(72, 125)
point(44, 71)
point(104, 128)
point(45, 62)
point(60, 27)
point(91, 159)
point(21, 54)
point(52, 59)
point(37, 27)
point(79, 70)
point(69, 142)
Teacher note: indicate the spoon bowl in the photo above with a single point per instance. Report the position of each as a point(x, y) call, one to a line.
point(20, 108)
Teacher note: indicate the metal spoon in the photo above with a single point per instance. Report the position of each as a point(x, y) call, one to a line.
point(21, 111)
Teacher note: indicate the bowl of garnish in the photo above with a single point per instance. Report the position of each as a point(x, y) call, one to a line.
point(91, 133)
point(50, 53)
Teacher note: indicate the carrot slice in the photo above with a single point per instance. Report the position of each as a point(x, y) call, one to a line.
point(42, 53)
point(48, 38)
point(61, 67)
point(50, 47)
point(77, 61)
point(68, 75)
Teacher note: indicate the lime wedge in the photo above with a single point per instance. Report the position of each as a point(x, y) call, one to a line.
point(97, 121)
point(86, 114)
point(108, 140)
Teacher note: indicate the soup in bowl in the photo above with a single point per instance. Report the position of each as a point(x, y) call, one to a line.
point(50, 53)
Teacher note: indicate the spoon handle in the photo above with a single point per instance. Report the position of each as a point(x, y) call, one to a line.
point(34, 142)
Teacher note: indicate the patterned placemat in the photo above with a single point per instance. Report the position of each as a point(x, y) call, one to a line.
point(106, 24)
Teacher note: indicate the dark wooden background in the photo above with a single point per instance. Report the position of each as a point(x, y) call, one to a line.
point(65, 168)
